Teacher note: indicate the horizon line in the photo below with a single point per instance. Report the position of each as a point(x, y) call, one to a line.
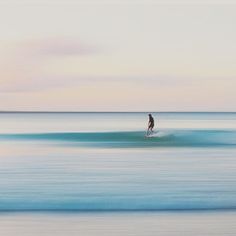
point(38, 111)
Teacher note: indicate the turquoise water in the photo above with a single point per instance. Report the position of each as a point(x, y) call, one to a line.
point(103, 162)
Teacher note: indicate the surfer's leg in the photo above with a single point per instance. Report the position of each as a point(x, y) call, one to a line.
point(151, 129)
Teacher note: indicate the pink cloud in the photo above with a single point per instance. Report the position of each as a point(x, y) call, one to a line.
point(22, 67)
point(58, 47)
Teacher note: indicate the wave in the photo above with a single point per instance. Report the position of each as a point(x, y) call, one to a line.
point(163, 138)
point(104, 204)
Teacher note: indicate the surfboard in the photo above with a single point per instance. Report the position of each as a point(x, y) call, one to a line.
point(153, 134)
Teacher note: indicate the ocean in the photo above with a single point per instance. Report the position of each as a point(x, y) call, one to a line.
point(95, 169)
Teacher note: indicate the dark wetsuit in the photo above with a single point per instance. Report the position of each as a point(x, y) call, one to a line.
point(151, 122)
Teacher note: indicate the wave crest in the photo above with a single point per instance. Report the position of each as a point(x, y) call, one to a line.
point(170, 138)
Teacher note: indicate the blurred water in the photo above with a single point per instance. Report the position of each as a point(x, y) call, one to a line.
point(83, 173)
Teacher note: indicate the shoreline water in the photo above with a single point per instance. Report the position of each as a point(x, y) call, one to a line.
point(116, 224)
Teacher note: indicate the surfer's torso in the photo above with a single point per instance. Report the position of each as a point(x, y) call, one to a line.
point(151, 122)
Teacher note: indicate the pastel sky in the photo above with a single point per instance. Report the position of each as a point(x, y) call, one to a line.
point(118, 55)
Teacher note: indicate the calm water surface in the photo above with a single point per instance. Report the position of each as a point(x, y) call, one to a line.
point(101, 162)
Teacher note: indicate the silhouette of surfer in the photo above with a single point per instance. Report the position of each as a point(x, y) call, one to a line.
point(150, 124)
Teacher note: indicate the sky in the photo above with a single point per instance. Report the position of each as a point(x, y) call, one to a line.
point(117, 55)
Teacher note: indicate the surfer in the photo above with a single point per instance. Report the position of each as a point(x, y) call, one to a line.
point(150, 124)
